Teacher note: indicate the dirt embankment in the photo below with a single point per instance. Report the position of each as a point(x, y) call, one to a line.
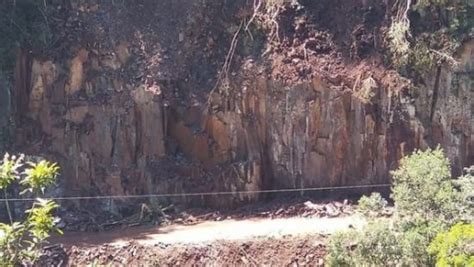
point(290, 251)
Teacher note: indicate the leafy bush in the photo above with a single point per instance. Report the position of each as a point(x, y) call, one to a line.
point(465, 184)
point(422, 59)
point(340, 249)
point(379, 244)
point(383, 244)
point(20, 242)
point(422, 186)
point(417, 235)
point(427, 202)
point(455, 247)
point(372, 205)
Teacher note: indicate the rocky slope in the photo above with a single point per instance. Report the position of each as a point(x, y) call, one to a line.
point(181, 96)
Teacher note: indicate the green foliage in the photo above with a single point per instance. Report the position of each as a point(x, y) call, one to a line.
point(40, 218)
point(40, 175)
point(399, 44)
point(340, 249)
point(379, 244)
point(372, 205)
point(10, 248)
point(428, 228)
point(20, 242)
point(440, 30)
point(417, 235)
point(422, 186)
point(427, 202)
point(413, 248)
point(421, 59)
point(9, 169)
point(465, 184)
point(455, 247)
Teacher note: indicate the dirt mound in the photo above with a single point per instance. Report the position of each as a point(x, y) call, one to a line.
point(274, 252)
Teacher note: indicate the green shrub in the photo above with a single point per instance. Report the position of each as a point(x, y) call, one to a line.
point(422, 187)
point(20, 242)
point(465, 184)
point(382, 243)
point(341, 247)
point(417, 236)
point(379, 244)
point(427, 202)
point(413, 248)
point(372, 205)
point(455, 247)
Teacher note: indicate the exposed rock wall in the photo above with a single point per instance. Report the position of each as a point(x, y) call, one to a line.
point(446, 109)
point(128, 108)
point(5, 107)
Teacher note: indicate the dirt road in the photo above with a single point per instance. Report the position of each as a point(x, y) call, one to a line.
point(247, 242)
point(210, 231)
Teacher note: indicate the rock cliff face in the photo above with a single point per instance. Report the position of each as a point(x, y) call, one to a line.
point(128, 101)
point(4, 114)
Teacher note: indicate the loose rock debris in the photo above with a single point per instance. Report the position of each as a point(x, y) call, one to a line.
point(266, 238)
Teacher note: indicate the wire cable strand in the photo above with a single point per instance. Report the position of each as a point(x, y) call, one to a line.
point(201, 193)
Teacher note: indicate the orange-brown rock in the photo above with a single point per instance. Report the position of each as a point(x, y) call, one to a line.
point(137, 109)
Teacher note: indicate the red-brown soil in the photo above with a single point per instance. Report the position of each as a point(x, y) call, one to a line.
point(288, 251)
